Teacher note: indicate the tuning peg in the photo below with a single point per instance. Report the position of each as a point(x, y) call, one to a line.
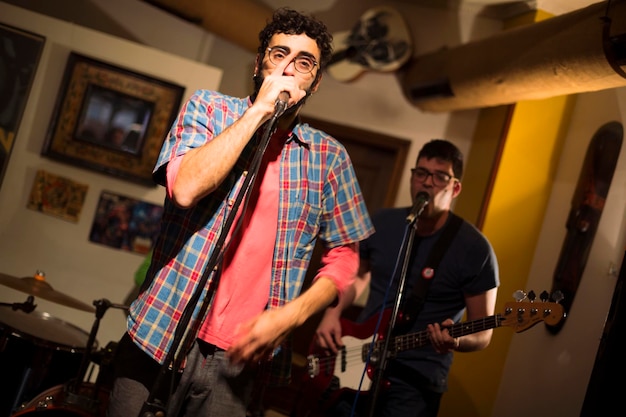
point(519, 295)
point(545, 296)
point(532, 295)
point(558, 296)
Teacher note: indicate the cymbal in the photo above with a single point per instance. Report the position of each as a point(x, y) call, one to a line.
point(38, 287)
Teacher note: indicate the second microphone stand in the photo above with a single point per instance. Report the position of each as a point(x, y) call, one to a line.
point(383, 354)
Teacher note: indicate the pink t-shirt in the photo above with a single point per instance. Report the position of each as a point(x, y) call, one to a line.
point(243, 291)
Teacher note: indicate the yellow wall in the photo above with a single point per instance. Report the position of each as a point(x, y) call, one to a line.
point(512, 221)
point(492, 127)
point(506, 187)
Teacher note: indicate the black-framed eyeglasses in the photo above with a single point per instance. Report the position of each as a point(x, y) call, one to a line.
point(304, 64)
point(440, 179)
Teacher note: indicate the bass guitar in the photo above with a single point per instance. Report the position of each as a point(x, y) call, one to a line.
point(348, 365)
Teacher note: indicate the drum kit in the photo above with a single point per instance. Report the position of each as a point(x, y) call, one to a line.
point(44, 361)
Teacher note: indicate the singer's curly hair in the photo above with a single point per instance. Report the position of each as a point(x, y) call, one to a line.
point(446, 151)
point(291, 22)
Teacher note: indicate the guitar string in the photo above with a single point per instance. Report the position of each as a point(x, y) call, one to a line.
point(352, 355)
point(413, 340)
point(420, 339)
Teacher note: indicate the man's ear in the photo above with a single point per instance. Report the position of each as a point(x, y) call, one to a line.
point(256, 64)
point(456, 189)
point(316, 83)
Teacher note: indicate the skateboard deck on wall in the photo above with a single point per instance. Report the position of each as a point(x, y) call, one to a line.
point(584, 216)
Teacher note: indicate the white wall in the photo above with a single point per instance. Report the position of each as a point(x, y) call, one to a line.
point(154, 27)
point(30, 240)
point(545, 374)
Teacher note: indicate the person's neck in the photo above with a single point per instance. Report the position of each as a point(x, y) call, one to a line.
point(427, 226)
point(286, 122)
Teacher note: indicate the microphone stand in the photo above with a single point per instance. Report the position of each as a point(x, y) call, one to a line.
point(383, 355)
point(153, 406)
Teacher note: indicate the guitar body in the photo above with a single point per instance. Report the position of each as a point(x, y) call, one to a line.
point(380, 41)
point(322, 390)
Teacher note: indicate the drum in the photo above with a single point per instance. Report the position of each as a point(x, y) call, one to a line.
point(66, 400)
point(37, 352)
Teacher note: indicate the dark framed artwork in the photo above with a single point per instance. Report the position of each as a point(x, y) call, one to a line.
point(111, 119)
point(125, 223)
point(20, 52)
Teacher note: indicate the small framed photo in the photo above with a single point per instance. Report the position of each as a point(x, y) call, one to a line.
point(125, 223)
point(111, 119)
point(57, 196)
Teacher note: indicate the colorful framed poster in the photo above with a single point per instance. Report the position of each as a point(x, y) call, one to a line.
point(126, 223)
point(57, 196)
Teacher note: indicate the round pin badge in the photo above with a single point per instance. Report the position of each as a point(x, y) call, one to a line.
point(428, 273)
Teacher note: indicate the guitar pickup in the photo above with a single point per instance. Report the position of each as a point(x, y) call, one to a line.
point(344, 360)
point(313, 366)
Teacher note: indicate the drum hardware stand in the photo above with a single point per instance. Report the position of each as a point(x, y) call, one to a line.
point(72, 389)
point(26, 306)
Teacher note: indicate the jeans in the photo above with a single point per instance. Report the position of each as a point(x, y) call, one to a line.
point(402, 394)
point(209, 385)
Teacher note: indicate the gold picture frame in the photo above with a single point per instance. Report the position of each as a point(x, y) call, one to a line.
point(111, 119)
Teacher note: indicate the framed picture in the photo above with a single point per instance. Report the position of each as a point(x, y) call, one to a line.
point(57, 196)
point(111, 119)
point(20, 52)
point(125, 223)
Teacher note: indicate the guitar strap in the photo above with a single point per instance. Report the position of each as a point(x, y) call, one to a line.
point(414, 303)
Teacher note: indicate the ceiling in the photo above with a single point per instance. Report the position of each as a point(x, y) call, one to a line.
point(567, 53)
point(560, 55)
point(238, 20)
point(503, 8)
point(575, 51)
point(555, 7)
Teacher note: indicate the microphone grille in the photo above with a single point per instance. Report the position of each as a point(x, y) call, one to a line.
point(422, 196)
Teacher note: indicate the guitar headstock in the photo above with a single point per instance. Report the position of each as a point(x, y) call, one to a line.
point(526, 312)
point(380, 41)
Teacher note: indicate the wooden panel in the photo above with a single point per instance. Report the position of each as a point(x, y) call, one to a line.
point(378, 160)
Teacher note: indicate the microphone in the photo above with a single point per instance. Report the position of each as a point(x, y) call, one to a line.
point(421, 201)
point(281, 104)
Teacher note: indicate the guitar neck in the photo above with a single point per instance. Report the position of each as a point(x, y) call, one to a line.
point(520, 315)
point(419, 339)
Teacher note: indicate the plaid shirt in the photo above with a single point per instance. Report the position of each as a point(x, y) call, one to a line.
point(319, 197)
